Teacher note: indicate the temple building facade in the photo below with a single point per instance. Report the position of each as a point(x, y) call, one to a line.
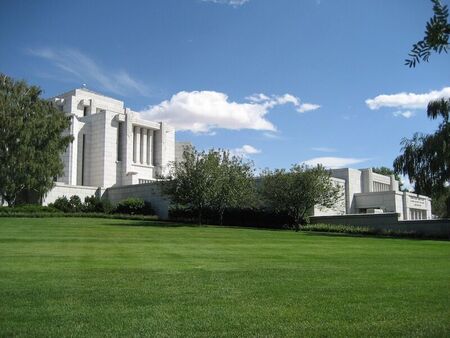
point(366, 192)
point(116, 153)
point(112, 145)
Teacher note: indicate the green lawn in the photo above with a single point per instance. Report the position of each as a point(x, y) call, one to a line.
point(103, 277)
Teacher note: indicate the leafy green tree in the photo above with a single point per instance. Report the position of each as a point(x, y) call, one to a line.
point(440, 204)
point(436, 36)
point(235, 184)
point(388, 172)
point(426, 158)
point(297, 191)
point(209, 180)
point(31, 140)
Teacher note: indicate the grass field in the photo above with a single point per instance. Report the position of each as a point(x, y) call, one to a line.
point(104, 277)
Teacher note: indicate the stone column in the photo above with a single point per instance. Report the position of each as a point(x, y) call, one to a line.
point(370, 179)
point(144, 145)
point(149, 147)
point(137, 131)
point(394, 183)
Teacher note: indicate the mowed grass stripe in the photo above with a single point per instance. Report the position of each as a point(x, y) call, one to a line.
point(103, 277)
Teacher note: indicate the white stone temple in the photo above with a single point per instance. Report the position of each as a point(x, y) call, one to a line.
point(366, 192)
point(112, 145)
point(116, 153)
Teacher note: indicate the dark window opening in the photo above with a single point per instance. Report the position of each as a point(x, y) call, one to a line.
point(85, 110)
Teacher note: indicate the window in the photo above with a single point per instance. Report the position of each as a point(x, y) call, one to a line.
point(119, 141)
point(378, 186)
point(142, 181)
point(85, 110)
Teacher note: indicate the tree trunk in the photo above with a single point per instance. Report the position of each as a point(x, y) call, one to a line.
point(221, 216)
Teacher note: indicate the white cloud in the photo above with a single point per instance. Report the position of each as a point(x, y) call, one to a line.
point(246, 149)
point(258, 98)
point(79, 66)
point(202, 111)
point(234, 3)
point(407, 100)
point(406, 114)
point(324, 149)
point(304, 107)
point(275, 100)
point(335, 162)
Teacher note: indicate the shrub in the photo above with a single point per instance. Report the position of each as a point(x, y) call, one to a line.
point(28, 208)
point(96, 204)
point(62, 204)
point(75, 203)
point(134, 206)
point(360, 230)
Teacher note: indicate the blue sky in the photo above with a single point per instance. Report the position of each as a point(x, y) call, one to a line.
point(281, 81)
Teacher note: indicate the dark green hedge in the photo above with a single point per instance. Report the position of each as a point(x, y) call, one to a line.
point(245, 217)
point(43, 214)
point(364, 231)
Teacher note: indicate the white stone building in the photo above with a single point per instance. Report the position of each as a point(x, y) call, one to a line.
point(366, 192)
point(112, 146)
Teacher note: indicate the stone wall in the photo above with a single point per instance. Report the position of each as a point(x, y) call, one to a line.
point(61, 189)
point(389, 221)
point(150, 192)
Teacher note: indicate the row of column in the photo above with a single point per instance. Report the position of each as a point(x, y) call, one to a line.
point(142, 145)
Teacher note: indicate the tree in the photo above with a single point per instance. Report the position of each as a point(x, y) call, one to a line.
point(209, 180)
point(31, 140)
point(436, 36)
point(388, 172)
point(426, 158)
point(297, 191)
point(235, 184)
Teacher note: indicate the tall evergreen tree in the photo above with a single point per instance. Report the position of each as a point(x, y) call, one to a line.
point(31, 140)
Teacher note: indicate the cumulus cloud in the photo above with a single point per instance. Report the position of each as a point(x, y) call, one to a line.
point(407, 100)
point(234, 3)
point(335, 162)
point(202, 111)
point(245, 150)
point(406, 114)
point(80, 67)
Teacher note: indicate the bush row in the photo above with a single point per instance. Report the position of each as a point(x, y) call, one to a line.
point(44, 214)
point(358, 230)
point(245, 217)
point(93, 204)
point(29, 209)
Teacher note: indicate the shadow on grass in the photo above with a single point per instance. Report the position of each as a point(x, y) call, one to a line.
point(169, 224)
